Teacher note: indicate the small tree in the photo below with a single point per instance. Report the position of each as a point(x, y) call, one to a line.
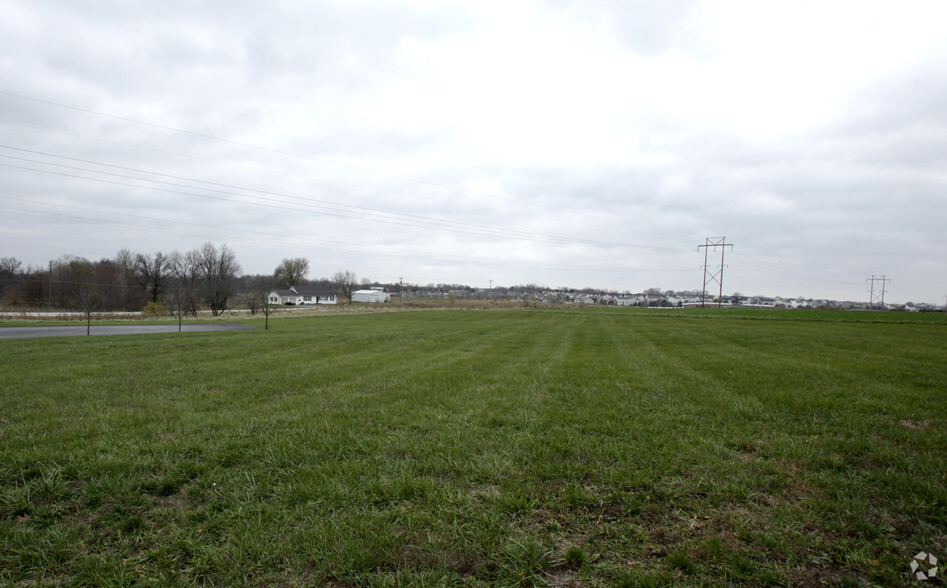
point(177, 299)
point(252, 298)
point(258, 296)
point(267, 308)
point(88, 294)
point(262, 288)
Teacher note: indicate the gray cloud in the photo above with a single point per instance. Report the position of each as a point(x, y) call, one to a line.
point(562, 143)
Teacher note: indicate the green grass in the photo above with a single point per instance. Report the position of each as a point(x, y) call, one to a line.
point(482, 447)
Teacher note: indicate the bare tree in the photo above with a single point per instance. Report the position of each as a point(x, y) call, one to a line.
point(267, 307)
point(252, 298)
point(129, 291)
point(108, 275)
point(86, 290)
point(10, 265)
point(258, 297)
point(186, 273)
point(176, 298)
point(291, 272)
point(152, 270)
point(11, 272)
point(218, 268)
point(345, 282)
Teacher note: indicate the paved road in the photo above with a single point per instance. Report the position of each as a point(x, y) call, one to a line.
point(24, 332)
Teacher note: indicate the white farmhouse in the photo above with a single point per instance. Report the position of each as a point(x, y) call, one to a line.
point(302, 296)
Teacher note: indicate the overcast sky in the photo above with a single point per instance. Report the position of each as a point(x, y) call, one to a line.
point(581, 144)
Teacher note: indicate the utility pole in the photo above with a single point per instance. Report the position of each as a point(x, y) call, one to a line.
point(401, 289)
point(717, 276)
point(880, 297)
point(50, 305)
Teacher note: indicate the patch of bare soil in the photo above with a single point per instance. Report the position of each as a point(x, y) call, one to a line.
point(916, 425)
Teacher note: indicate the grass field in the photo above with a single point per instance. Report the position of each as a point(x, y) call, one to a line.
point(480, 447)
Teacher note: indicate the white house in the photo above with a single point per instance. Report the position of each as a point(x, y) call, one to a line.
point(302, 296)
point(371, 296)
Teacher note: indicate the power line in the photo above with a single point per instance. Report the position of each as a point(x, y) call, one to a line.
point(716, 276)
point(774, 269)
point(270, 240)
point(302, 156)
point(350, 211)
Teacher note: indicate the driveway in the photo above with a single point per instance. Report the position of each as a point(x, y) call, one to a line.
point(26, 332)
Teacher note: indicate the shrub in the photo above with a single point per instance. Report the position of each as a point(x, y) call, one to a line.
point(154, 310)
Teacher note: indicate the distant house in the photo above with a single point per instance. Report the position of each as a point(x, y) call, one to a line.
point(372, 295)
point(675, 301)
point(800, 303)
point(303, 296)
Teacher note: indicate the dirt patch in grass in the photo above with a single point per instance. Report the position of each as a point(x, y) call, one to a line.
point(826, 576)
point(412, 556)
point(797, 487)
point(465, 564)
point(916, 425)
point(485, 491)
point(562, 578)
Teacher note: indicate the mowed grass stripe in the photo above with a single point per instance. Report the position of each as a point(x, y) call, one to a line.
point(476, 448)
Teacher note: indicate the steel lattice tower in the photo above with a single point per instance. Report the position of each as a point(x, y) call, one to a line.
point(715, 276)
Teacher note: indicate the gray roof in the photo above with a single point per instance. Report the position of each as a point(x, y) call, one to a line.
point(312, 291)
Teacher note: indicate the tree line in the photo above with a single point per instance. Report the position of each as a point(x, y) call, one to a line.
point(190, 280)
point(206, 278)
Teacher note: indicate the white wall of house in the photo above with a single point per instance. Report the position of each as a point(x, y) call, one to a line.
point(294, 299)
point(317, 299)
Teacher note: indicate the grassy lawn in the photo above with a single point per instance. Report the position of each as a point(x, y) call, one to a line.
point(479, 447)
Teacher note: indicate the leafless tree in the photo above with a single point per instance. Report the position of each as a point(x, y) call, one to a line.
point(87, 292)
point(152, 271)
point(176, 298)
point(258, 297)
point(345, 282)
point(186, 273)
point(11, 273)
point(10, 265)
point(109, 277)
point(218, 268)
point(127, 291)
point(291, 272)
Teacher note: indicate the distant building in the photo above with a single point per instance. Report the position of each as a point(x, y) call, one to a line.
point(302, 296)
point(373, 295)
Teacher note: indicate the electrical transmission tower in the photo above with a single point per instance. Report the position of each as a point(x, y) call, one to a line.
point(713, 276)
point(877, 295)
